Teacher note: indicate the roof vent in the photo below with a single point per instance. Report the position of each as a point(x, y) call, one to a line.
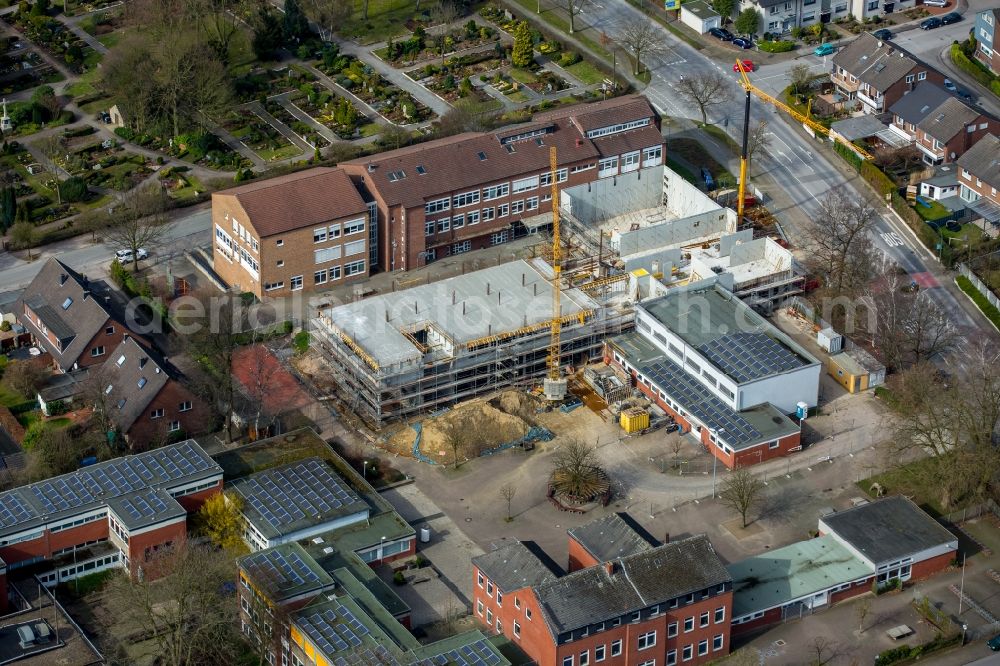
point(371, 167)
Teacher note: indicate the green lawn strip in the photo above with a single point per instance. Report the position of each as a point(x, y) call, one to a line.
point(912, 480)
point(931, 212)
point(386, 18)
point(681, 171)
point(370, 129)
point(720, 134)
point(275, 154)
point(987, 308)
point(522, 75)
point(519, 97)
point(110, 39)
point(586, 72)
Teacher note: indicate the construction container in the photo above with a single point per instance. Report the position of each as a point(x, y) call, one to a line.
point(634, 419)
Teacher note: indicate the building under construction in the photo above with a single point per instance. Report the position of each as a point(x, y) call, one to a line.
point(428, 347)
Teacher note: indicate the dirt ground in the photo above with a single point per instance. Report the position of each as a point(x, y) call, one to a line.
point(476, 425)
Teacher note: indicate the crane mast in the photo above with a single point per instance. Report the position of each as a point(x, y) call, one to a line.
point(554, 386)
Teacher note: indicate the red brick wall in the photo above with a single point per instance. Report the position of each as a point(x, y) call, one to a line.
point(579, 558)
point(770, 617)
point(148, 432)
point(925, 568)
point(895, 92)
point(50, 541)
point(193, 502)
point(857, 589)
point(103, 339)
point(138, 543)
point(534, 637)
point(3, 592)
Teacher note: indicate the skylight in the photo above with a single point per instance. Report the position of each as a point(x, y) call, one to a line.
point(68, 302)
point(142, 382)
point(108, 390)
point(121, 360)
point(121, 403)
point(482, 156)
point(421, 170)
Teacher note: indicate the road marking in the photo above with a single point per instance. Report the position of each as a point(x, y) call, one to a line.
point(892, 239)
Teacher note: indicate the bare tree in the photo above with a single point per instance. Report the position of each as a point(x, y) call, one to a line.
point(799, 76)
point(328, 15)
point(259, 386)
point(25, 377)
point(704, 90)
point(821, 645)
point(862, 610)
point(573, 7)
point(507, 492)
point(676, 445)
point(840, 250)
point(741, 491)
point(138, 219)
point(175, 595)
point(466, 116)
point(576, 470)
point(641, 37)
point(758, 139)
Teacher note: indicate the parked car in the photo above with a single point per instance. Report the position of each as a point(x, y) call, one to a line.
point(949, 86)
point(953, 17)
point(994, 643)
point(884, 34)
point(824, 49)
point(743, 66)
point(721, 33)
point(931, 23)
point(743, 43)
point(125, 256)
point(936, 3)
point(706, 176)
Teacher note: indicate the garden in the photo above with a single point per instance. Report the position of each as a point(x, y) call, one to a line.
point(22, 68)
point(305, 131)
point(261, 83)
point(392, 103)
point(259, 135)
point(104, 26)
point(334, 112)
point(54, 37)
point(199, 147)
point(420, 46)
point(104, 164)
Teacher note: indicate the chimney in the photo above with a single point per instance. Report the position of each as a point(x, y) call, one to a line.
point(666, 538)
point(609, 568)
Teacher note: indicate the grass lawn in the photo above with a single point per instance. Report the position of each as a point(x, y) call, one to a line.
point(84, 585)
point(523, 75)
point(720, 134)
point(110, 39)
point(974, 233)
point(519, 96)
point(370, 129)
point(278, 153)
point(914, 481)
point(935, 211)
point(682, 171)
point(9, 398)
point(81, 89)
point(586, 72)
point(386, 18)
point(556, 18)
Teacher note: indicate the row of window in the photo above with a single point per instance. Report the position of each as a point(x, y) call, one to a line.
point(296, 282)
point(615, 129)
point(495, 192)
point(185, 406)
point(332, 232)
point(460, 220)
point(687, 652)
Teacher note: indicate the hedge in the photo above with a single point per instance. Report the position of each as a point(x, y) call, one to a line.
point(970, 67)
point(988, 309)
point(907, 654)
point(776, 46)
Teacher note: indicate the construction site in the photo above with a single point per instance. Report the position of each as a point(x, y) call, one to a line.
point(532, 326)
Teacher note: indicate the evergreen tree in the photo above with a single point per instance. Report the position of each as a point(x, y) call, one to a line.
point(295, 27)
point(8, 208)
point(521, 55)
point(267, 34)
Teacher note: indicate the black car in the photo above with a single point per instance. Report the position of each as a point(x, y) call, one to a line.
point(953, 17)
point(743, 43)
point(931, 23)
point(884, 34)
point(721, 33)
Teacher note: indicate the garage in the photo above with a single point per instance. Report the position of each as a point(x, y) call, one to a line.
point(699, 16)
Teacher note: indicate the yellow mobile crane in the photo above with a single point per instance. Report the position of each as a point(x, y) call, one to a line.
point(554, 386)
point(805, 120)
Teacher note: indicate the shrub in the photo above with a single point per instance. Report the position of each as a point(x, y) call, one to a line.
point(125, 132)
point(569, 58)
point(990, 310)
point(57, 407)
point(300, 343)
point(5, 326)
point(776, 47)
point(73, 189)
point(971, 67)
point(398, 578)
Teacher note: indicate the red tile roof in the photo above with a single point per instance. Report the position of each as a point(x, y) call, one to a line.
point(313, 196)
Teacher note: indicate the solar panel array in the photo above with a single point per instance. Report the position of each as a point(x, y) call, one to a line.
point(279, 570)
point(305, 489)
point(334, 630)
point(144, 505)
point(475, 654)
point(702, 403)
point(111, 479)
point(748, 355)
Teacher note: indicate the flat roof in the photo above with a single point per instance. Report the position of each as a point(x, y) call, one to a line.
point(611, 537)
point(728, 333)
point(888, 529)
point(753, 260)
point(462, 308)
point(284, 571)
point(857, 361)
point(146, 507)
point(744, 429)
point(93, 487)
point(283, 500)
point(780, 576)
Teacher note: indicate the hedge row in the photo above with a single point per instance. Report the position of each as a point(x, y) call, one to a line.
point(967, 65)
point(907, 654)
point(776, 46)
point(990, 310)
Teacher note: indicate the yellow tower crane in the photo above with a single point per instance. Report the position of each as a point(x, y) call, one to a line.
point(805, 120)
point(554, 386)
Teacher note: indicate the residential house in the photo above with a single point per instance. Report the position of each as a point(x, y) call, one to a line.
point(872, 544)
point(628, 602)
point(979, 178)
point(985, 35)
point(474, 190)
point(942, 126)
point(145, 398)
point(943, 184)
point(722, 371)
point(76, 320)
point(304, 231)
point(780, 16)
point(914, 107)
point(878, 73)
point(116, 513)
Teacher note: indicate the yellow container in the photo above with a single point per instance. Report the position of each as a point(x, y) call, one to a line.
point(634, 419)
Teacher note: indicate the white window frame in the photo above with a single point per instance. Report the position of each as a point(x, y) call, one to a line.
point(524, 185)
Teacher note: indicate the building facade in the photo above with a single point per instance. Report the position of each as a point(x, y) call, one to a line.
point(301, 232)
point(877, 74)
point(665, 604)
point(979, 178)
point(475, 190)
point(985, 35)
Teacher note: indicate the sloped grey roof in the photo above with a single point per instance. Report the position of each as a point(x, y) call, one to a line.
point(948, 119)
point(516, 565)
point(918, 104)
point(134, 377)
point(590, 596)
point(878, 66)
point(888, 529)
point(983, 160)
point(611, 537)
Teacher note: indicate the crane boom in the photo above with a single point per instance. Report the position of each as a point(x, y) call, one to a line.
point(804, 119)
point(554, 385)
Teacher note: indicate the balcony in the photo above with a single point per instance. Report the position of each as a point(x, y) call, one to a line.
point(933, 154)
point(874, 103)
point(844, 82)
